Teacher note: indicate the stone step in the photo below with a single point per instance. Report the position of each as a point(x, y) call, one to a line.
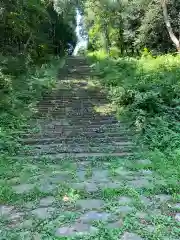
point(64, 103)
point(46, 150)
point(75, 62)
point(59, 156)
point(78, 104)
point(60, 126)
point(65, 76)
point(64, 148)
point(69, 122)
point(73, 97)
point(79, 119)
point(80, 74)
point(60, 109)
point(48, 100)
point(73, 133)
point(79, 107)
point(81, 67)
point(114, 140)
point(70, 115)
point(73, 150)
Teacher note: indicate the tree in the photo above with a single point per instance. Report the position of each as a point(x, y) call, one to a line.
point(173, 37)
point(34, 28)
point(131, 25)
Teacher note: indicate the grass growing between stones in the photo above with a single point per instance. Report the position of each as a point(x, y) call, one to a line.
point(64, 208)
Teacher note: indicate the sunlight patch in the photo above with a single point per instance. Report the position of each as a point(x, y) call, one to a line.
point(104, 109)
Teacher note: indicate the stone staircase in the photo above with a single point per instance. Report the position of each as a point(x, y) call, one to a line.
point(90, 194)
point(67, 123)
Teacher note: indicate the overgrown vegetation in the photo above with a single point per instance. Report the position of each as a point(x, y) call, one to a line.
point(146, 93)
point(20, 98)
point(34, 36)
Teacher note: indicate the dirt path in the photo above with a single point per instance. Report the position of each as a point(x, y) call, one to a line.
point(79, 175)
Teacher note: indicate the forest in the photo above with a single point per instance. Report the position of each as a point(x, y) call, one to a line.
point(133, 49)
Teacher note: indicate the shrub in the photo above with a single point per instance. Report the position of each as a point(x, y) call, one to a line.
point(147, 92)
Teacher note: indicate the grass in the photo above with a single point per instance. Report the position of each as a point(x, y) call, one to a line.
point(66, 196)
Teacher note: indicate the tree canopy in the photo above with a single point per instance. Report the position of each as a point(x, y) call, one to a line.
point(36, 27)
point(131, 25)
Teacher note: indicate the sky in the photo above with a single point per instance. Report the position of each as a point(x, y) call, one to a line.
point(81, 40)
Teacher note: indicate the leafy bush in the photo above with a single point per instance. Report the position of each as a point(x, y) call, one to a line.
point(114, 52)
point(147, 92)
point(18, 97)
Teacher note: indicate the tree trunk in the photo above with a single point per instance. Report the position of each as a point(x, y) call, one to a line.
point(169, 27)
point(106, 39)
point(27, 43)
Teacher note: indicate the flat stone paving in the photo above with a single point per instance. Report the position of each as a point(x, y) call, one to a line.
point(76, 208)
point(87, 205)
point(90, 203)
point(76, 229)
point(130, 236)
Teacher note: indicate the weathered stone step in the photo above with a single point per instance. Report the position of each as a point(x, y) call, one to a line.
point(79, 105)
point(59, 156)
point(81, 67)
point(71, 98)
point(60, 126)
point(83, 70)
point(76, 59)
point(60, 109)
point(75, 62)
point(75, 144)
point(56, 150)
point(71, 114)
point(79, 119)
point(65, 148)
point(75, 123)
point(80, 73)
point(76, 76)
point(114, 140)
point(69, 122)
point(88, 135)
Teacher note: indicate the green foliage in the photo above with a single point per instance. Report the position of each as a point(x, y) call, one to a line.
point(18, 97)
point(32, 34)
point(130, 25)
point(34, 29)
point(146, 91)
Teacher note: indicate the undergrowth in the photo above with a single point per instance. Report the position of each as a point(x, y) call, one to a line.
point(146, 92)
point(20, 91)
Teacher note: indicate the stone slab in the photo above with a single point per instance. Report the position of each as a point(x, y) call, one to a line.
point(23, 188)
point(130, 236)
point(76, 229)
point(43, 213)
point(90, 203)
point(95, 216)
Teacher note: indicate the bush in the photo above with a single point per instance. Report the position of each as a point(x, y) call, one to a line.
point(18, 96)
point(147, 92)
point(114, 52)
